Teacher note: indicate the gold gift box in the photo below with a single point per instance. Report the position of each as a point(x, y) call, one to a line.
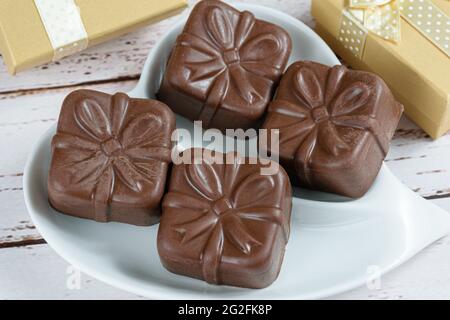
point(415, 69)
point(24, 42)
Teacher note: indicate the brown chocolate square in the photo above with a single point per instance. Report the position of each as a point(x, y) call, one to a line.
point(224, 67)
point(110, 157)
point(225, 223)
point(335, 126)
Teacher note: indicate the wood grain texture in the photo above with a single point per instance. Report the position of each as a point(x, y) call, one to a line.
point(23, 118)
point(29, 105)
point(36, 272)
point(425, 276)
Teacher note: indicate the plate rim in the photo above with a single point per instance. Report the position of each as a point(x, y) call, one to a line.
point(159, 292)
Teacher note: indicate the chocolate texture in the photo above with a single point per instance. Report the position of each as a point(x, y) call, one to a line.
point(225, 223)
point(110, 157)
point(224, 67)
point(335, 126)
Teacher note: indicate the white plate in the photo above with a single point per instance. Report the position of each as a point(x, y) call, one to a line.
point(333, 244)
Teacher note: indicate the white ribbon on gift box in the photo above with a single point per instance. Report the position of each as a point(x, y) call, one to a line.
point(64, 26)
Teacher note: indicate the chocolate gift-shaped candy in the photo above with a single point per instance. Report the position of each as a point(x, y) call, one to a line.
point(225, 223)
point(224, 67)
point(110, 157)
point(335, 126)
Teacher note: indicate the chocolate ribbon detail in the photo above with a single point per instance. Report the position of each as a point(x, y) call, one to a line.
point(227, 56)
point(320, 113)
point(112, 150)
point(217, 211)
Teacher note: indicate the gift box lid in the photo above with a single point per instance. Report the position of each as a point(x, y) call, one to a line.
point(24, 42)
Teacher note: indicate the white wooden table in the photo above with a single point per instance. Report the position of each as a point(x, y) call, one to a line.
point(29, 104)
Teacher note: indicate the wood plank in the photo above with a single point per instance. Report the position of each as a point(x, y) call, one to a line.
point(423, 165)
point(29, 104)
point(425, 276)
point(36, 272)
point(23, 118)
point(118, 59)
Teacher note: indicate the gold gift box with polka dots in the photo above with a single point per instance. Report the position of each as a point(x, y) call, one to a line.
point(34, 32)
point(406, 42)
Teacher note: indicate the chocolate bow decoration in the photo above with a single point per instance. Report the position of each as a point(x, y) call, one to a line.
point(228, 55)
point(112, 150)
point(219, 208)
point(320, 111)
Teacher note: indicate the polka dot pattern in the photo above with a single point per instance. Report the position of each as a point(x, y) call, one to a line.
point(384, 21)
point(431, 21)
point(367, 3)
point(382, 18)
point(352, 34)
point(64, 27)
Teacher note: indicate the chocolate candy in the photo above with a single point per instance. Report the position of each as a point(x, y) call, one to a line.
point(225, 223)
point(335, 126)
point(110, 157)
point(224, 67)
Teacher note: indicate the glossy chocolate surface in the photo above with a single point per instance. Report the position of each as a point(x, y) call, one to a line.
point(110, 157)
point(335, 126)
point(225, 223)
point(224, 67)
